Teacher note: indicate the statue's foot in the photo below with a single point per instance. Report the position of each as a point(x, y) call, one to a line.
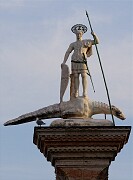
point(85, 94)
point(76, 95)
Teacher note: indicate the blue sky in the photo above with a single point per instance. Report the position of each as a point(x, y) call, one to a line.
point(34, 36)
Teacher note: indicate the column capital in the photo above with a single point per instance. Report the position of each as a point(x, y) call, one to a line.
point(87, 151)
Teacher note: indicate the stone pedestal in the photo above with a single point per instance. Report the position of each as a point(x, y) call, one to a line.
point(81, 153)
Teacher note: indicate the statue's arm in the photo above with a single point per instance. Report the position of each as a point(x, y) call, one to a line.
point(69, 50)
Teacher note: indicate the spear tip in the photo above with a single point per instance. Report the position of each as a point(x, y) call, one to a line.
point(86, 12)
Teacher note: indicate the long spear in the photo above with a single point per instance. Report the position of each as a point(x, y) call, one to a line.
point(101, 69)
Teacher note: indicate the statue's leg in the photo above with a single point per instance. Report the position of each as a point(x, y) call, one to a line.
point(84, 83)
point(76, 84)
point(72, 88)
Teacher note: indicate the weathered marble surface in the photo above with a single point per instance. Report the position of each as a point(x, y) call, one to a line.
point(82, 49)
point(81, 153)
point(81, 122)
point(79, 107)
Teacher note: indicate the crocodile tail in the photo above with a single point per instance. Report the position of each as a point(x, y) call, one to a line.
point(52, 111)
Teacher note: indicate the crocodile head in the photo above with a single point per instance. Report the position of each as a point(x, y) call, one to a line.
point(118, 113)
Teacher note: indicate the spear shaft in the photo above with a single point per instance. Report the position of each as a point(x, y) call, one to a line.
point(101, 69)
point(89, 74)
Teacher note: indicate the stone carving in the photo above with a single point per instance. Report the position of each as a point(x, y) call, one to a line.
point(81, 153)
point(77, 108)
point(81, 50)
point(78, 111)
point(64, 80)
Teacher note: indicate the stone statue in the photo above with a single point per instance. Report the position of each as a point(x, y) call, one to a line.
point(78, 111)
point(72, 111)
point(81, 50)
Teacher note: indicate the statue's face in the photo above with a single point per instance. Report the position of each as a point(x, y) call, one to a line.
point(79, 34)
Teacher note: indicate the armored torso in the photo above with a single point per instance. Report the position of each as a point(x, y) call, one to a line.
point(79, 48)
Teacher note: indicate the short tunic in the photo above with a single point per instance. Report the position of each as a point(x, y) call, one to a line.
point(77, 60)
point(78, 67)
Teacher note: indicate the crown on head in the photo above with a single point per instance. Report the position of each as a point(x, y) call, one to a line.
point(79, 27)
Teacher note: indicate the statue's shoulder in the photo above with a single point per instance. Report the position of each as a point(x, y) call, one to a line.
point(73, 43)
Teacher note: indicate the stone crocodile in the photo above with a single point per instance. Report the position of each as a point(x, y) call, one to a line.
point(76, 108)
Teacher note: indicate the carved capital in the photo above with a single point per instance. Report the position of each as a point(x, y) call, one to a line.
point(81, 152)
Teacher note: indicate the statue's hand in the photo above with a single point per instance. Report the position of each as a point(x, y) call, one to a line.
point(93, 34)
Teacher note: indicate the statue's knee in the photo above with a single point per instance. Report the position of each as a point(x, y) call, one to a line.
point(83, 75)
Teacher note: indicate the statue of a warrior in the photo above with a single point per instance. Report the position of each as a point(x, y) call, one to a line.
point(79, 109)
point(81, 50)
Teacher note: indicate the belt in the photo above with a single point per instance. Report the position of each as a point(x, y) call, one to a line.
point(78, 61)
